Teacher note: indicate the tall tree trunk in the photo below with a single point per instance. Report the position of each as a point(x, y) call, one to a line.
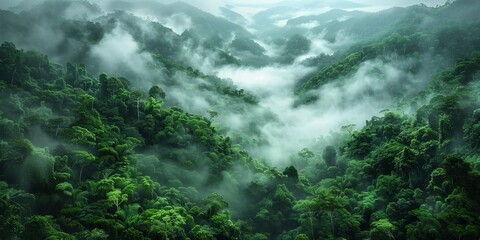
point(330, 214)
point(80, 174)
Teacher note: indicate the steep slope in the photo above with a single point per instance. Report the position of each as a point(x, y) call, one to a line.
point(85, 157)
point(405, 20)
point(94, 143)
point(204, 24)
point(233, 16)
point(157, 149)
point(205, 28)
point(72, 33)
point(445, 42)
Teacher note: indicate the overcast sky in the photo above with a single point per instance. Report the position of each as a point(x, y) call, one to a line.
point(213, 5)
point(366, 2)
point(252, 6)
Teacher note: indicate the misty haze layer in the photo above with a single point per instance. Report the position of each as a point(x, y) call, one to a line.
point(284, 120)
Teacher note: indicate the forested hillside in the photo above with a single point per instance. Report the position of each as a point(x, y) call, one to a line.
point(119, 127)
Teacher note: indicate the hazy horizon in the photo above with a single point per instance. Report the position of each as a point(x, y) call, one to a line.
point(250, 7)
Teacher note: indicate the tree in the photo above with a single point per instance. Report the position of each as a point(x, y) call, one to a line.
point(153, 107)
point(82, 158)
point(329, 203)
point(16, 151)
point(139, 99)
point(42, 227)
point(405, 161)
point(58, 123)
point(156, 91)
point(147, 187)
point(439, 183)
point(95, 234)
point(116, 198)
point(329, 155)
point(165, 223)
point(215, 204)
point(201, 233)
point(348, 128)
point(305, 155)
point(302, 237)
point(384, 156)
point(308, 213)
point(223, 227)
point(387, 186)
point(65, 188)
point(80, 135)
point(426, 227)
point(109, 87)
point(212, 113)
point(291, 172)
point(8, 128)
point(457, 170)
point(13, 203)
point(383, 226)
point(445, 130)
point(458, 218)
point(38, 170)
point(19, 64)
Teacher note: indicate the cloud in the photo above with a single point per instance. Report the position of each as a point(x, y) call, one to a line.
point(77, 10)
point(6, 4)
point(177, 22)
point(348, 100)
point(181, 94)
point(362, 94)
point(119, 53)
point(18, 5)
point(261, 81)
point(400, 3)
point(211, 6)
point(320, 46)
point(244, 7)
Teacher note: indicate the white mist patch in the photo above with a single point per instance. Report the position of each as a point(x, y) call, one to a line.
point(198, 57)
point(312, 11)
point(191, 103)
point(77, 10)
point(179, 22)
point(119, 53)
point(349, 100)
point(269, 49)
point(43, 33)
point(343, 18)
point(368, 87)
point(266, 81)
point(282, 20)
point(318, 47)
point(309, 25)
point(281, 23)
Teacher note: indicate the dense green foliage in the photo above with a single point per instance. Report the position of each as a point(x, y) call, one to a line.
point(446, 33)
point(399, 176)
point(437, 43)
point(94, 157)
point(87, 166)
